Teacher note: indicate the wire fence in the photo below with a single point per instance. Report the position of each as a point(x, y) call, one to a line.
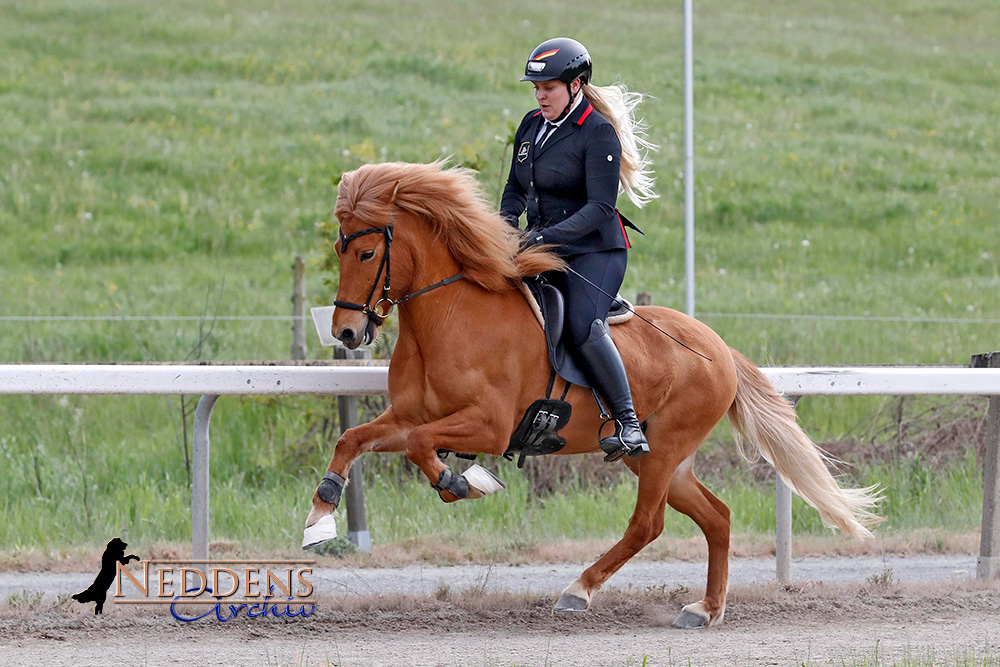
point(855, 318)
point(292, 318)
point(152, 318)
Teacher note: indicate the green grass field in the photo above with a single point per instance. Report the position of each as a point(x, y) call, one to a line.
point(172, 158)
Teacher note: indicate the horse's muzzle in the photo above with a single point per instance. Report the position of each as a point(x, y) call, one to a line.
point(352, 338)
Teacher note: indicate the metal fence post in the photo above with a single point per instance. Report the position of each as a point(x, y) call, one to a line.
point(354, 494)
point(783, 522)
point(199, 478)
point(783, 530)
point(988, 563)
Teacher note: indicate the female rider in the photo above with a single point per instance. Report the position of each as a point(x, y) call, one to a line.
point(571, 156)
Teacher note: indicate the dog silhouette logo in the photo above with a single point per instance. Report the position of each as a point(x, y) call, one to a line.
point(98, 591)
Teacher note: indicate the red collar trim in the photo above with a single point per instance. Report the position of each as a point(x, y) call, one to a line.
point(536, 113)
point(590, 107)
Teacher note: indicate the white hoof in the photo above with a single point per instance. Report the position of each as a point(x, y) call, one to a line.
point(483, 480)
point(322, 531)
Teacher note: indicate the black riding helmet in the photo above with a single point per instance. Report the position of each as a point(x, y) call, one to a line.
point(560, 59)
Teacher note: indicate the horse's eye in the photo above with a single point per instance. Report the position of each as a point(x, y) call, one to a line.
point(367, 254)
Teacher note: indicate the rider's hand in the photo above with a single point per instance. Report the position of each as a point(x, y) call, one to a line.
point(531, 239)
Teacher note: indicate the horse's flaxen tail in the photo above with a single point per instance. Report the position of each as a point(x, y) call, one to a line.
point(767, 423)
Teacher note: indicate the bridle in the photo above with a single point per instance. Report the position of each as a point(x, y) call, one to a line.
point(379, 312)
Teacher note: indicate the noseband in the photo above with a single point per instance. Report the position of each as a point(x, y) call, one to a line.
point(383, 306)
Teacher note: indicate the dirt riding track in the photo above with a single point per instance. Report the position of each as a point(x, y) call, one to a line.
point(813, 623)
point(763, 627)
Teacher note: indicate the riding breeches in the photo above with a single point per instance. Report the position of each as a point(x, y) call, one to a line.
point(584, 303)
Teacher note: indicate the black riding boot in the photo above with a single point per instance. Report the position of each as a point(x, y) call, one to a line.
point(605, 371)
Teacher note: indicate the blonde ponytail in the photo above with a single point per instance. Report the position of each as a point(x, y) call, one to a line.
point(618, 105)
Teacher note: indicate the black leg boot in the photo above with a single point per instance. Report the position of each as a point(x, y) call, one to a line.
point(606, 372)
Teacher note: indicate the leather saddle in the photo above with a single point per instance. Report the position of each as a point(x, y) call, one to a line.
point(551, 304)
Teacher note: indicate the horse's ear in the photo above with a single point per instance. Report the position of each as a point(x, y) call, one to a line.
point(395, 189)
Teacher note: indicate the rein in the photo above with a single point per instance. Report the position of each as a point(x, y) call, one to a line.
point(629, 307)
point(379, 312)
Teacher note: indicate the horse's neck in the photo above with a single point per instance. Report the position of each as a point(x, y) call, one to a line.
point(457, 311)
point(459, 340)
point(464, 319)
point(439, 320)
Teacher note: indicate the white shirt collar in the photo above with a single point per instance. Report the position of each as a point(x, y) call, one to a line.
point(576, 103)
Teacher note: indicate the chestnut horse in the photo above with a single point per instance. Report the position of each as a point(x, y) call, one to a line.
point(471, 357)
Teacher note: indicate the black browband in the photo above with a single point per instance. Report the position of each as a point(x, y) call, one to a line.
point(378, 313)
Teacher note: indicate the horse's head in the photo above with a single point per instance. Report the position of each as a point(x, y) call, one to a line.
point(368, 267)
point(437, 222)
point(362, 297)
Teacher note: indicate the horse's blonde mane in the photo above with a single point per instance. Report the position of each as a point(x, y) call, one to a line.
point(453, 203)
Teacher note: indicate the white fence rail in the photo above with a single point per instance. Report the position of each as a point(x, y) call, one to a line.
point(213, 381)
point(143, 379)
point(156, 379)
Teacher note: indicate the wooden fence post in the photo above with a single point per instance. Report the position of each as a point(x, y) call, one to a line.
point(988, 563)
point(354, 493)
point(644, 299)
point(299, 310)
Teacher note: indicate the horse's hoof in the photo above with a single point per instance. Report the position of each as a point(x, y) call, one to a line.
point(570, 602)
point(687, 620)
point(322, 531)
point(482, 480)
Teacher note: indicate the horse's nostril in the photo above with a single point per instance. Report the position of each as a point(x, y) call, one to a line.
point(346, 335)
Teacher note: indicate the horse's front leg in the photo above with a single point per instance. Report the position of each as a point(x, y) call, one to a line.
point(386, 433)
point(468, 431)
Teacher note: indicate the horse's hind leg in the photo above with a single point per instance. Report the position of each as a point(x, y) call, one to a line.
point(645, 526)
point(689, 496)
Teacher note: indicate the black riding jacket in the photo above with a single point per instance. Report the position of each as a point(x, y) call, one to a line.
point(569, 185)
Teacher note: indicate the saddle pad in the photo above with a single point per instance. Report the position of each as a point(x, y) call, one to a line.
point(621, 311)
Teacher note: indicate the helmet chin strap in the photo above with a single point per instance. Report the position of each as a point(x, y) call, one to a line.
point(572, 98)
